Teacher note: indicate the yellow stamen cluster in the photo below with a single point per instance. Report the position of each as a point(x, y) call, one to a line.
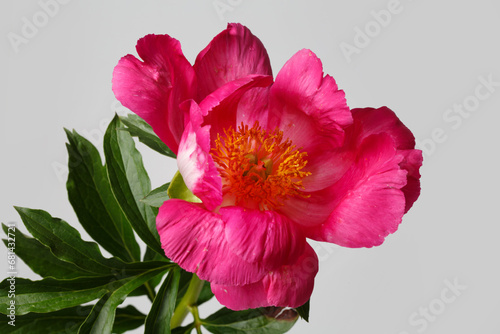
point(258, 167)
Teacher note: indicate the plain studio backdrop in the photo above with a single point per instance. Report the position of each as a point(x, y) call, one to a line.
point(436, 63)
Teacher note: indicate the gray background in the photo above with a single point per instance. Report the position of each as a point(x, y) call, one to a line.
point(427, 59)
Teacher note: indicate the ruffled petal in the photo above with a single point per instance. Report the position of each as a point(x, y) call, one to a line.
point(195, 239)
point(233, 54)
point(309, 108)
point(195, 163)
point(155, 87)
point(369, 203)
point(289, 286)
point(265, 237)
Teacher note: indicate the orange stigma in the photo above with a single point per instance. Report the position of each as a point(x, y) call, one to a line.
point(258, 168)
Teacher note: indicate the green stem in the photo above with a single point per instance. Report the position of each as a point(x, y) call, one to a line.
point(187, 302)
point(197, 320)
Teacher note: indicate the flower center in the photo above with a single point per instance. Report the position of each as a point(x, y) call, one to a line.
point(258, 168)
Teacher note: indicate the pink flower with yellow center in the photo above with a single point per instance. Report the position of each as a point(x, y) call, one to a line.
point(273, 163)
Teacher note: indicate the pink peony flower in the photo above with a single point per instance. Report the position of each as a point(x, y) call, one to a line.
point(273, 163)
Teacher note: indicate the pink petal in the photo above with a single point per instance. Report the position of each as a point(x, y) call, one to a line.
point(233, 54)
point(254, 107)
point(309, 108)
point(154, 88)
point(195, 162)
point(290, 286)
point(326, 168)
point(412, 162)
point(195, 239)
point(314, 209)
point(309, 211)
point(369, 201)
point(293, 285)
point(311, 111)
point(329, 166)
point(241, 297)
point(265, 237)
point(221, 106)
point(384, 120)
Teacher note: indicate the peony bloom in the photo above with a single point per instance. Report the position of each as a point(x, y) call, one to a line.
point(273, 163)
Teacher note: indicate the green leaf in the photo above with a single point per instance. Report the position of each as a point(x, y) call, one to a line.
point(137, 127)
point(178, 189)
point(151, 284)
point(66, 243)
point(149, 287)
point(158, 319)
point(130, 182)
point(102, 316)
point(68, 320)
point(88, 325)
point(183, 330)
point(151, 255)
point(157, 197)
point(48, 294)
point(270, 320)
point(303, 311)
point(63, 321)
point(41, 260)
point(127, 318)
point(90, 194)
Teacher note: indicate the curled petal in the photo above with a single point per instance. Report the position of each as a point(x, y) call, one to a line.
point(384, 120)
point(265, 237)
point(369, 203)
point(412, 162)
point(155, 87)
point(288, 286)
point(330, 166)
point(233, 54)
point(195, 239)
point(195, 162)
